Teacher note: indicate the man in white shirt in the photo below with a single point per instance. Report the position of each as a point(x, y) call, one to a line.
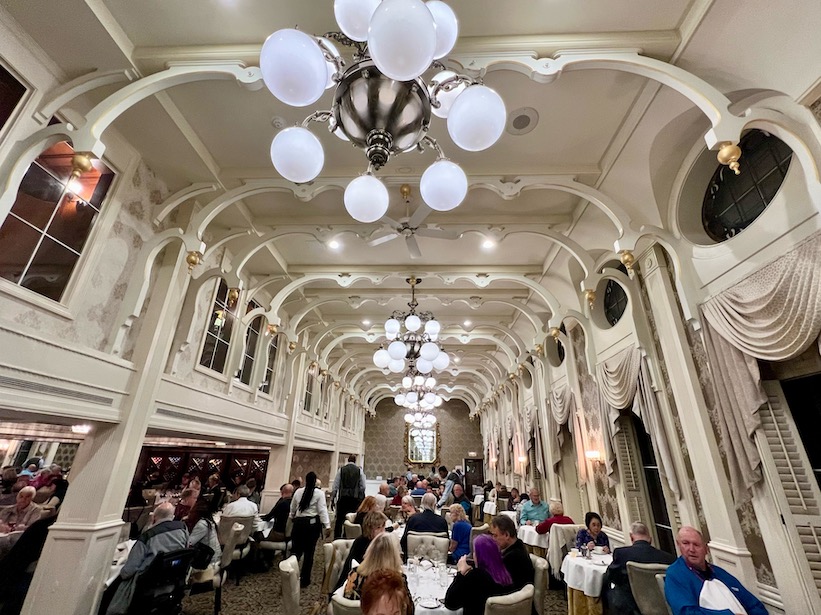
point(243, 507)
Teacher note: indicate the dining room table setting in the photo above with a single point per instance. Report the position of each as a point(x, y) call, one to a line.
point(428, 583)
point(583, 572)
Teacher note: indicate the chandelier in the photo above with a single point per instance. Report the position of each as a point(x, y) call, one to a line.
point(381, 103)
point(417, 346)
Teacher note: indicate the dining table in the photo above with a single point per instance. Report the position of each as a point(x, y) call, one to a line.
point(428, 584)
point(536, 543)
point(584, 577)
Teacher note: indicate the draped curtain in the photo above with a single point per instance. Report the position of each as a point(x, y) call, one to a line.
point(624, 382)
point(562, 405)
point(774, 315)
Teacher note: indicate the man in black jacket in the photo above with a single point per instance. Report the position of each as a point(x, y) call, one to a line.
point(349, 485)
point(426, 521)
point(616, 594)
point(514, 553)
point(280, 512)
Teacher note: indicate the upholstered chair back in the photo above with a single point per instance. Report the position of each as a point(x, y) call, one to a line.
point(289, 571)
point(539, 582)
point(517, 603)
point(428, 545)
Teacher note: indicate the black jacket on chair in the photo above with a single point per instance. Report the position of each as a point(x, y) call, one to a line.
point(619, 598)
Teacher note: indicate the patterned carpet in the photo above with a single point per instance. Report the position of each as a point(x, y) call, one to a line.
point(259, 594)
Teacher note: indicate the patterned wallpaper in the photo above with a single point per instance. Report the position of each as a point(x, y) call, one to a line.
point(605, 493)
point(385, 434)
point(304, 461)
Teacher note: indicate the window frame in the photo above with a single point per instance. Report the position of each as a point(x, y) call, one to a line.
point(270, 366)
point(199, 366)
point(252, 305)
point(16, 114)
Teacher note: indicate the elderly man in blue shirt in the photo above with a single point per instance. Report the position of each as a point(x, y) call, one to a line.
point(535, 510)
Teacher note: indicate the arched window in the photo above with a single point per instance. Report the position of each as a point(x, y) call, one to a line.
point(268, 381)
point(310, 380)
point(252, 335)
point(732, 202)
point(50, 221)
point(615, 299)
point(218, 333)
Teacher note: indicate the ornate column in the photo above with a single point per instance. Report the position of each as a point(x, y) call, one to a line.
point(726, 538)
point(77, 555)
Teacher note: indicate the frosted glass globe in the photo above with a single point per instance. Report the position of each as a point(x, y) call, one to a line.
point(444, 185)
point(396, 366)
point(412, 323)
point(418, 416)
point(418, 380)
point(441, 362)
point(366, 199)
point(432, 327)
point(447, 27)
point(430, 398)
point(437, 402)
point(432, 420)
point(477, 118)
point(412, 397)
point(430, 382)
point(399, 399)
point(397, 350)
point(407, 382)
point(409, 418)
point(429, 351)
point(353, 17)
point(293, 67)
point(445, 98)
point(297, 154)
point(402, 38)
point(392, 326)
point(381, 358)
point(423, 366)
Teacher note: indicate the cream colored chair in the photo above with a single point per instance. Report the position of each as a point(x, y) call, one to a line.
point(660, 579)
point(539, 582)
point(242, 543)
point(289, 571)
point(477, 531)
point(343, 606)
point(428, 545)
point(279, 545)
point(562, 539)
point(350, 517)
point(336, 553)
point(517, 603)
point(645, 588)
point(351, 530)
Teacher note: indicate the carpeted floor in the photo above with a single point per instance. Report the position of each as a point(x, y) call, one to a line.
point(260, 594)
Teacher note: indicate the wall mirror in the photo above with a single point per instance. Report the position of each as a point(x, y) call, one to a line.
point(422, 445)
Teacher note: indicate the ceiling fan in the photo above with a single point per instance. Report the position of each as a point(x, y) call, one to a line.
point(410, 227)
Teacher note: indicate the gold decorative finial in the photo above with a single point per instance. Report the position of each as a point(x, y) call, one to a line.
point(405, 191)
point(272, 329)
point(728, 154)
point(554, 333)
point(627, 259)
point(81, 163)
point(193, 258)
point(291, 346)
point(539, 350)
point(590, 297)
point(336, 384)
point(233, 295)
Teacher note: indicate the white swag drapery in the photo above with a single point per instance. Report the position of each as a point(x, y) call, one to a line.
point(624, 382)
point(562, 404)
point(774, 315)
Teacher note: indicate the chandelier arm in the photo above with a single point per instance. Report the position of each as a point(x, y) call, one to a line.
point(434, 145)
point(339, 37)
point(317, 116)
point(446, 85)
point(337, 60)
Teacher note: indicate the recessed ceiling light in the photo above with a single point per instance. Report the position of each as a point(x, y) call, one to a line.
point(488, 244)
point(467, 323)
point(366, 322)
point(456, 359)
point(333, 244)
point(219, 444)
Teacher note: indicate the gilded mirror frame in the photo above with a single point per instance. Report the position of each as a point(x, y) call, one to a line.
point(436, 449)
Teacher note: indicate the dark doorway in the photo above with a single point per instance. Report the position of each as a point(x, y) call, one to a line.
point(804, 398)
point(474, 474)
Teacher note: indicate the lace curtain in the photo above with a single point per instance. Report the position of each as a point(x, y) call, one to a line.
point(774, 314)
point(624, 382)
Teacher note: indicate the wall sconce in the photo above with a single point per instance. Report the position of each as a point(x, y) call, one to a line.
point(81, 429)
point(594, 456)
point(522, 458)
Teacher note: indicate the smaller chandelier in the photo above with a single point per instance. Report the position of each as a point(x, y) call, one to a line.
point(417, 346)
point(418, 391)
point(420, 420)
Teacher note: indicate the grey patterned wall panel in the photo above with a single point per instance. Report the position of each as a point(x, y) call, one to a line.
point(385, 434)
point(319, 462)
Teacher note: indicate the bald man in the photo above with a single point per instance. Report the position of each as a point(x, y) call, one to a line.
point(695, 587)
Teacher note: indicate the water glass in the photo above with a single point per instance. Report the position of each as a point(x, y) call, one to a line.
point(443, 574)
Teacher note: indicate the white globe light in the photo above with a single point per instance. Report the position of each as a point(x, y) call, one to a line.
point(432, 420)
point(402, 38)
point(447, 27)
point(409, 418)
point(381, 358)
point(412, 323)
point(293, 67)
point(432, 327)
point(430, 382)
point(429, 351)
point(418, 416)
point(418, 381)
point(441, 361)
point(396, 366)
point(438, 401)
point(399, 399)
point(423, 366)
point(446, 98)
point(397, 350)
point(366, 199)
point(392, 326)
point(412, 397)
point(406, 382)
point(297, 154)
point(396, 399)
point(433, 336)
point(430, 398)
point(353, 17)
point(414, 433)
point(444, 185)
point(477, 118)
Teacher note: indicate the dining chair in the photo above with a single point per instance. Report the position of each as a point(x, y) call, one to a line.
point(660, 579)
point(428, 545)
point(539, 582)
point(278, 545)
point(477, 531)
point(242, 544)
point(351, 530)
point(562, 538)
point(645, 588)
point(517, 603)
point(289, 572)
point(336, 553)
point(343, 606)
point(351, 516)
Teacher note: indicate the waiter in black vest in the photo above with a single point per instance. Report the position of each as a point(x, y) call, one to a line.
point(349, 485)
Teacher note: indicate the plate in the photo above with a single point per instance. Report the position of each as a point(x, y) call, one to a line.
point(429, 603)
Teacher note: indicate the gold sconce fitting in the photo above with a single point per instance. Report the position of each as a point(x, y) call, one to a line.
point(590, 297)
point(627, 259)
point(539, 350)
point(554, 333)
point(272, 329)
point(728, 154)
point(291, 346)
point(80, 163)
point(193, 258)
point(233, 295)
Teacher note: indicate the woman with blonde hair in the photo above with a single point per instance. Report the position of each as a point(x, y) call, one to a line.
point(372, 526)
point(382, 554)
point(408, 507)
point(367, 505)
point(459, 533)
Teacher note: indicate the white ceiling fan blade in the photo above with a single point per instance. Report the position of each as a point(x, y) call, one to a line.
point(413, 247)
point(383, 239)
point(419, 216)
point(438, 233)
point(389, 222)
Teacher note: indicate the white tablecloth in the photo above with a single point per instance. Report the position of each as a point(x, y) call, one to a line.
point(489, 508)
point(426, 584)
point(530, 537)
point(586, 575)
